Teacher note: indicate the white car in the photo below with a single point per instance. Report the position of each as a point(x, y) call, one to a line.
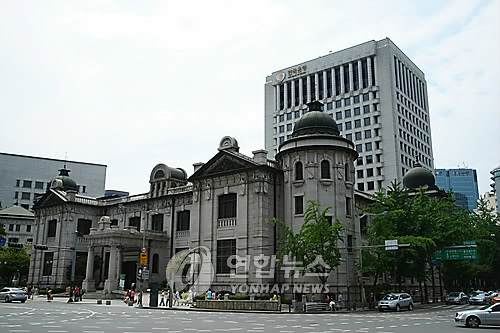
point(396, 302)
point(487, 315)
point(13, 294)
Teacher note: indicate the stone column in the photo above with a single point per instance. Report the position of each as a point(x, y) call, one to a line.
point(369, 63)
point(110, 283)
point(342, 86)
point(334, 84)
point(89, 283)
point(292, 99)
point(308, 89)
point(301, 93)
point(351, 78)
point(316, 87)
point(374, 69)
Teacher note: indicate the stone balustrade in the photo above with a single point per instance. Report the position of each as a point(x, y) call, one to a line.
point(257, 305)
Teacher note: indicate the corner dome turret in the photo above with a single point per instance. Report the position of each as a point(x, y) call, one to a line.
point(64, 182)
point(315, 122)
point(418, 177)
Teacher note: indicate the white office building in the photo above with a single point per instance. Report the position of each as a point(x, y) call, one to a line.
point(23, 178)
point(377, 96)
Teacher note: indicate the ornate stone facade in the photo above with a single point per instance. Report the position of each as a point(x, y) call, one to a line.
point(225, 206)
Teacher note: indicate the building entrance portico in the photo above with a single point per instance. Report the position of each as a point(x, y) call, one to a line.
point(123, 245)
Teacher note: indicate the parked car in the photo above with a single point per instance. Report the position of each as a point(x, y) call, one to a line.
point(13, 294)
point(396, 302)
point(478, 297)
point(487, 315)
point(495, 298)
point(456, 297)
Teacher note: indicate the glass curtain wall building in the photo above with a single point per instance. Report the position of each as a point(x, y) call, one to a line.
point(377, 96)
point(463, 183)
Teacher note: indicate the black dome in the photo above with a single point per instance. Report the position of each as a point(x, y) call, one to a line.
point(64, 181)
point(419, 177)
point(315, 122)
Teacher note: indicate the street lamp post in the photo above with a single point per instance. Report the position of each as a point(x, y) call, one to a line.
point(143, 248)
point(73, 267)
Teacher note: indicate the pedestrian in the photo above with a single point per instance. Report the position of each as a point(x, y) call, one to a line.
point(82, 291)
point(76, 293)
point(168, 303)
point(127, 297)
point(162, 298)
point(49, 294)
point(177, 298)
point(371, 301)
point(209, 294)
point(132, 296)
point(30, 290)
point(340, 300)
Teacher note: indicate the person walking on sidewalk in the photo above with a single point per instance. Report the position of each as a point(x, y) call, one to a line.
point(76, 293)
point(162, 299)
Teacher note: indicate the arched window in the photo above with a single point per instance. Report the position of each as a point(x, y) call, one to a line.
point(159, 174)
point(325, 169)
point(347, 172)
point(299, 172)
point(156, 263)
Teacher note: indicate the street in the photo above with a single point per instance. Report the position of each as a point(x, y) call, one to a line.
point(40, 316)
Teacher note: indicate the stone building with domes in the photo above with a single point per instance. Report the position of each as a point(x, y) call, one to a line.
point(224, 206)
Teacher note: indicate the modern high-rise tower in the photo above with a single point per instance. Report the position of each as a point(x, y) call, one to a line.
point(377, 96)
point(463, 183)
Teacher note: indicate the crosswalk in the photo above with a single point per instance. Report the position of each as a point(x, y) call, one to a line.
point(456, 307)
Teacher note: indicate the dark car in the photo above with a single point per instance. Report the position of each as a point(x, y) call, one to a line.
point(13, 294)
point(487, 315)
point(456, 297)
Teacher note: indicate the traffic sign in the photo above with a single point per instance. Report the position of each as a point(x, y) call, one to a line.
point(144, 258)
point(2, 241)
point(455, 253)
point(391, 244)
point(143, 250)
point(145, 274)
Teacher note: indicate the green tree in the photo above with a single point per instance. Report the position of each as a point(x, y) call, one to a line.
point(13, 261)
point(427, 223)
point(316, 240)
point(2, 230)
point(423, 221)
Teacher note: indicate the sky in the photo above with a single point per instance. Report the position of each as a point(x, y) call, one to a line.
point(131, 84)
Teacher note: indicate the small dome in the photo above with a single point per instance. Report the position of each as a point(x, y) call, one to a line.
point(419, 176)
point(64, 182)
point(315, 122)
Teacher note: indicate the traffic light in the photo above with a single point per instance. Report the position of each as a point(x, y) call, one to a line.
point(41, 247)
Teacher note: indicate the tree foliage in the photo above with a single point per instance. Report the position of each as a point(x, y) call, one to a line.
point(316, 240)
point(13, 261)
point(2, 230)
point(427, 223)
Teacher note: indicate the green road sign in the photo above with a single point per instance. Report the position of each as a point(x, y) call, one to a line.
point(455, 253)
